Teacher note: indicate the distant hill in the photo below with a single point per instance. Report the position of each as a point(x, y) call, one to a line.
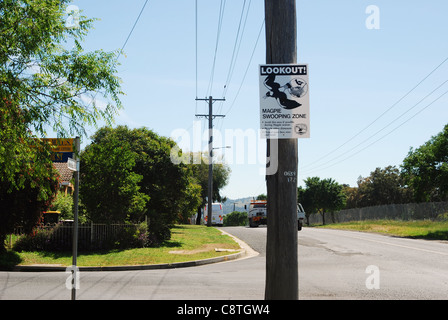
point(235, 204)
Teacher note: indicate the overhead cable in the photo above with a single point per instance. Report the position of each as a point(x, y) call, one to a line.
point(380, 116)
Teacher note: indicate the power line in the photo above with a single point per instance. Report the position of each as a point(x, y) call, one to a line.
point(196, 43)
point(380, 116)
point(235, 45)
point(132, 30)
point(236, 49)
point(124, 44)
point(382, 137)
point(247, 68)
point(218, 34)
point(390, 123)
point(196, 51)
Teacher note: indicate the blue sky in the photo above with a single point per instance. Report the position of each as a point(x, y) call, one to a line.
point(357, 76)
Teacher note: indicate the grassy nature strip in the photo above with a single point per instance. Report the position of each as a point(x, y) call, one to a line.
point(419, 229)
point(188, 242)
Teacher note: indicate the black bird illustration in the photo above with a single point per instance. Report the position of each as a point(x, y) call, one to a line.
point(281, 96)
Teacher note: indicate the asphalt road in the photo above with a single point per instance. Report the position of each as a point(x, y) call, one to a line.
point(343, 264)
point(335, 264)
point(332, 265)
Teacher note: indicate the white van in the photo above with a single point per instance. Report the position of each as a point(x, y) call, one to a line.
point(217, 214)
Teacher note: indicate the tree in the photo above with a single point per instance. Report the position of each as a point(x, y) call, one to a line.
point(28, 179)
point(351, 194)
point(64, 204)
point(235, 218)
point(262, 197)
point(171, 190)
point(305, 198)
point(333, 197)
point(192, 198)
point(382, 187)
point(24, 207)
point(110, 190)
point(220, 178)
point(321, 196)
point(44, 85)
point(54, 86)
point(425, 169)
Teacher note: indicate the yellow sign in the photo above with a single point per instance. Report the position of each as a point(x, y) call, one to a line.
point(61, 145)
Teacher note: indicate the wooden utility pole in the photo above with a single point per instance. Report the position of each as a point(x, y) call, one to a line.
point(281, 248)
point(210, 117)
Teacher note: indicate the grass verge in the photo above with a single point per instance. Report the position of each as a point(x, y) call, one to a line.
point(187, 243)
point(420, 229)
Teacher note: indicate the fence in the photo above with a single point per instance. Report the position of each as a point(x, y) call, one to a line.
point(90, 236)
point(407, 211)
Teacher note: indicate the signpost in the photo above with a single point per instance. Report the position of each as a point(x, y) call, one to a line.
point(67, 151)
point(73, 164)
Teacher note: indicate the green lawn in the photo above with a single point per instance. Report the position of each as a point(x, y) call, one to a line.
point(420, 229)
point(188, 242)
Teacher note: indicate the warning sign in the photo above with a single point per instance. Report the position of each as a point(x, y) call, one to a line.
point(284, 101)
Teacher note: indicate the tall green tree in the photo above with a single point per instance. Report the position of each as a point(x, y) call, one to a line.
point(381, 187)
point(171, 190)
point(321, 196)
point(52, 84)
point(110, 190)
point(425, 169)
point(24, 206)
point(28, 180)
point(220, 176)
point(44, 84)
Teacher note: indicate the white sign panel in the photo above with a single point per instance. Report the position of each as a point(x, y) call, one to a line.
point(284, 101)
point(72, 164)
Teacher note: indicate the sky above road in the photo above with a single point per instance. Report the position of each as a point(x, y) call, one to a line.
point(377, 75)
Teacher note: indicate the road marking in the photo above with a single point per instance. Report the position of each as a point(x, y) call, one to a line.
point(399, 245)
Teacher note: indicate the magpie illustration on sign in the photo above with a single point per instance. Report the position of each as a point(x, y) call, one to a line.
point(284, 100)
point(288, 94)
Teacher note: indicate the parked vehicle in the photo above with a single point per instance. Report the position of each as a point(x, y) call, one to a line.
point(257, 214)
point(217, 214)
point(300, 216)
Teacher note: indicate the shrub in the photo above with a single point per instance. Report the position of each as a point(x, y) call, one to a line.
point(41, 239)
point(132, 236)
point(235, 218)
point(158, 232)
point(58, 238)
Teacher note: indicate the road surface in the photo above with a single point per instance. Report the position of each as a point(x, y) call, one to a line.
point(332, 265)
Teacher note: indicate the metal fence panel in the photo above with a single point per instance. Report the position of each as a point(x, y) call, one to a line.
point(90, 235)
point(407, 211)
